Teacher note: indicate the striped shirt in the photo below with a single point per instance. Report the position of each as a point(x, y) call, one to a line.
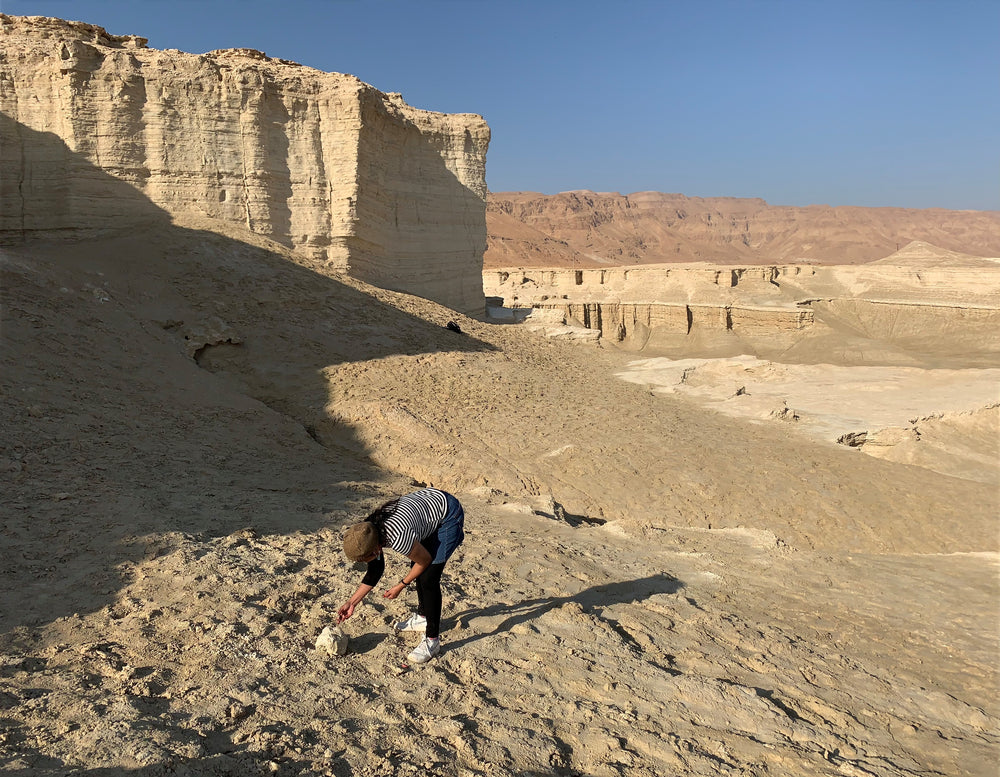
point(418, 516)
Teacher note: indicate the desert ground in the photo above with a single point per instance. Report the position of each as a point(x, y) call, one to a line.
point(192, 415)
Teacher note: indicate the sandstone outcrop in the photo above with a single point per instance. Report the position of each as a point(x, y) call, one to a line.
point(589, 229)
point(350, 177)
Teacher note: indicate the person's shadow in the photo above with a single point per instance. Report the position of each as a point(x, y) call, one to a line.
point(623, 592)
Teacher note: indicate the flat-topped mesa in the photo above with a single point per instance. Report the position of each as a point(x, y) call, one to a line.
point(321, 162)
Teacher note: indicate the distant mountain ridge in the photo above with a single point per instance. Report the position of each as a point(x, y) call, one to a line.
point(591, 229)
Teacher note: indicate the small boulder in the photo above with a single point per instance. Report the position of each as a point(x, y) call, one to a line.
point(332, 641)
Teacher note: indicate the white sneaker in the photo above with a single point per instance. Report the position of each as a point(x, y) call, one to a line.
point(425, 651)
point(414, 623)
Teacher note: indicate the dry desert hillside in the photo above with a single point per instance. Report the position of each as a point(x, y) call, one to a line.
point(600, 229)
point(196, 403)
point(191, 417)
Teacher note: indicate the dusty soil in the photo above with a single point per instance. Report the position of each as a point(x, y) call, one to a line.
point(190, 418)
point(945, 420)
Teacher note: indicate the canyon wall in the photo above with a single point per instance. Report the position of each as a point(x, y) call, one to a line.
point(590, 229)
point(636, 323)
point(962, 281)
point(351, 177)
point(918, 298)
point(631, 305)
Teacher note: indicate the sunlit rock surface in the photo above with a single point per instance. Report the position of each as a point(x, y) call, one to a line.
point(320, 162)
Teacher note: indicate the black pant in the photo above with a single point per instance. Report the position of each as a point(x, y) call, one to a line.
point(429, 598)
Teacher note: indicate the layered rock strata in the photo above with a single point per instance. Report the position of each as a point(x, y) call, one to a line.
point(965, 281)
point(352, 178)
point(635, 323)
point(631, 304)
point(918, 293)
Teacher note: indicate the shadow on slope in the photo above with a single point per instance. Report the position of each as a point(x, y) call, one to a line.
point(600, 596)
point(116, 438)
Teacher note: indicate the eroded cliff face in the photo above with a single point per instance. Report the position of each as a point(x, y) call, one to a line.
point(320, 162)
point(917, 296)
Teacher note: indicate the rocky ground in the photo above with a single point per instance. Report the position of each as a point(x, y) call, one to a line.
point(648, 587)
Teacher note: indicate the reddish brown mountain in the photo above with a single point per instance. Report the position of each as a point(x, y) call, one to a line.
point(589, 229)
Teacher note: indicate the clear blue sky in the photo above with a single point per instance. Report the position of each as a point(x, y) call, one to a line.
point(839, 102)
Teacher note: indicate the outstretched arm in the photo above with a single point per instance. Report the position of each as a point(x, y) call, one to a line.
point(347, 609)
point(376, 567)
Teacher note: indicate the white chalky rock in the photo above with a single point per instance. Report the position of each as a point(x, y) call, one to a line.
point(343, 155)
point(333, 641)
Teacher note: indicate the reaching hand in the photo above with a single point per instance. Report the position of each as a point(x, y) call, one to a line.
point(393, 592)
point(345, 612)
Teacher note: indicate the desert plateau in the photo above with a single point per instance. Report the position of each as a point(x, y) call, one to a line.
point(732, 493)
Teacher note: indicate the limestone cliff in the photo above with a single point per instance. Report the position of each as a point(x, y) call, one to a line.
point(321, 162)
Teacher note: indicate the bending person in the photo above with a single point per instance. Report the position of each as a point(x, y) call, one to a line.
point(426, 527)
